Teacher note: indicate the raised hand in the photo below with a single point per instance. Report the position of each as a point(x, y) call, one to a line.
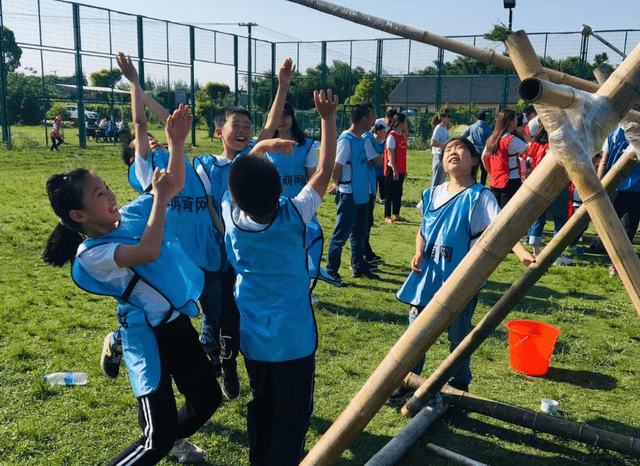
point(165, 186)
point(287, 70)
point(128, 70)
point(275, 145)
point(326, 104)
point(178, 125)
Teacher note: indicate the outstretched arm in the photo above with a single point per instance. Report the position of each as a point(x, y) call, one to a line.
point(141, 141)
point(158, 110)
point(166, 184)
point(326, 105)
point(285, 75)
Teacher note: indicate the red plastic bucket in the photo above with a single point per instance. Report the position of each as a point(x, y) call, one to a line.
point(530, 346)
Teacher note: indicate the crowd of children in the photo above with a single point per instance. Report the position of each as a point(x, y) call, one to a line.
point(237, 233)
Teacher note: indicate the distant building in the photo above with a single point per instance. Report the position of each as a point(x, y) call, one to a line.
point(482, 91)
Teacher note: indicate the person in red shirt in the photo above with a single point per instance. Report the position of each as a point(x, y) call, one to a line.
point(395, 168)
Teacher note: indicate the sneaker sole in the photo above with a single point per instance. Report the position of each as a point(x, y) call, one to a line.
point(106, 349)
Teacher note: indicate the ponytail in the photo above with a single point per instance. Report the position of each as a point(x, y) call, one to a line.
point(65, 191)
point(61, 246)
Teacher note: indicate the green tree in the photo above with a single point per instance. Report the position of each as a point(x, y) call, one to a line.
point(366, 88)
point(105, 77)
point(11, 51)
point(209, 101)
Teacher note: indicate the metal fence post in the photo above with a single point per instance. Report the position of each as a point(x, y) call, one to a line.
point(273, 70)
point(79, 76)
point(378, 87)
point(235, 66)
point(141, 52)
point(4, 113)
point(192, 39)
point(584, 45)
point(323, 66)
point(438, 99)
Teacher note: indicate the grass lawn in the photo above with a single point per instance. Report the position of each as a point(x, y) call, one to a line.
point(48, 325)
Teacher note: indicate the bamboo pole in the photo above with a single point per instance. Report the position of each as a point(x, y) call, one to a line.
point(540, 422)
point(514, 294)
point(572, 144)
point(393, 451)
point(537, 192)
point(486, 56)
point(457, 457)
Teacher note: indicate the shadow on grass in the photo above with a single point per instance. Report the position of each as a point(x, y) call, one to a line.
point(365, 315)
point(615, 426)
point(584, 379)
point(363, 448)
point(537, 297)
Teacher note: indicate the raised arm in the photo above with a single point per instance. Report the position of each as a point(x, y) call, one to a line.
point(158, 110)
point(285, 75)
point(166, 184)
point(141, 141)
point(326, 105)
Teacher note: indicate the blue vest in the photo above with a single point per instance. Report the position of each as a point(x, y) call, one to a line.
point(188, 214)
point(217, 169)
point(173, 276)
point(359, 168)
point(447, 236)
point(272, 286)
point(293, 174)
point(373, 173)
point(618, 143)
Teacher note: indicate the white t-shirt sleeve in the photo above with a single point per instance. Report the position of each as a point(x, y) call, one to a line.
point(312, 156)
point(100, 263)
point(440, 134)
point(485, 210)
point(391, 142)
point(144, 174)
point(517, 146)
point(204, 177)
point(307, 202)
point(371, 151)
point(343, 152)
point(605, 146)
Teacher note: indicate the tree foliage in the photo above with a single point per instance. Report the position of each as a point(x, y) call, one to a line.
point(10, 49)
point(105, 77)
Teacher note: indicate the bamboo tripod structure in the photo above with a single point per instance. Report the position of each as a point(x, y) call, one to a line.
point(574, 135)
point(518, 290)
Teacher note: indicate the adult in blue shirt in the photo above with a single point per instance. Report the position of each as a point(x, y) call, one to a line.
point(478, 133)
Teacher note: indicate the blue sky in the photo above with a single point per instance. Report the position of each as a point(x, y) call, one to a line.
point(282, 20)
point(279, 19)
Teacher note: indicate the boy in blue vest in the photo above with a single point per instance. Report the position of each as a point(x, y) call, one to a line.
point(351, 175)
point(265, 241)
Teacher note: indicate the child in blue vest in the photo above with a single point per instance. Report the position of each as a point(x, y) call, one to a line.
point(265, 240)
point(233, 128)
point(130, 255)
point(455, 214)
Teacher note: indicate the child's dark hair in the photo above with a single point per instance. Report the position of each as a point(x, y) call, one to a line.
point(397, 119)
point(378, 127)
point(472, 150)
point(505, 117)
point(255, 185)
point(359, 112)
point(224, 114)
point(529, 112)
point(65, 191)
point(296, 132)
point(437, 118)
point(128, 150)
point(391, 113)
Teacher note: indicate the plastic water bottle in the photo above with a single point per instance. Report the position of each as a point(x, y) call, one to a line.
point(66, 378)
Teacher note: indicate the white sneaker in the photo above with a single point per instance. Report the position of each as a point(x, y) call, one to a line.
point(563, 260)
point(314, 300)
point(186, 452)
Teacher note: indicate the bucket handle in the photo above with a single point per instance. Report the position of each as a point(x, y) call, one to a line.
point(520, 342)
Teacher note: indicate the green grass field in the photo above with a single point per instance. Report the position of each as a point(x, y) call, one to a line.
point(47, 325)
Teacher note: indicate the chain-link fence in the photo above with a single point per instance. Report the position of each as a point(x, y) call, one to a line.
point(59, 59)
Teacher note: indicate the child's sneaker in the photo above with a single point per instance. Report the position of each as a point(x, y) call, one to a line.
point(186, 452)
point(563, 260)
point(230, 384)
point(400, 394)
point(110, 357)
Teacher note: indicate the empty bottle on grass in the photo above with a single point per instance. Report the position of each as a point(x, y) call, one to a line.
point(66, 378)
